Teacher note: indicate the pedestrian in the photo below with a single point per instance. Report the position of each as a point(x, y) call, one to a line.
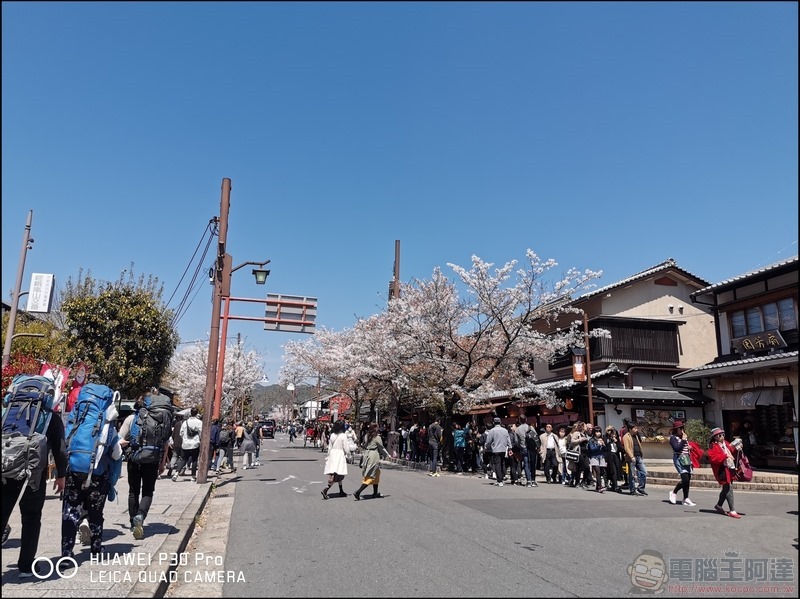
point(721, 455)
point(498, 444)
point(85, 493)
point(548, 452)
point(143, 472)
point(637, 472)
point(434, 441)
point(595, 449)
point(214, 444)
point(563, 441)
point(227, 441)
point(175, 445)
point(460, 447)
point(33, 494)
point(682, 460)
point(258, 436)
point(292, 433)
point(371, 470)
point(336, 462)
point(613, 453)
point(247, 447)
point(190, 433)
point(578, 439)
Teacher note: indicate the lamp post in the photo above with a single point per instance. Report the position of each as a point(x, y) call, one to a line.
point(27, 240)
point(261, 278)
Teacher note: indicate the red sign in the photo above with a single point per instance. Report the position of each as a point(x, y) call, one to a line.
point(340, 404)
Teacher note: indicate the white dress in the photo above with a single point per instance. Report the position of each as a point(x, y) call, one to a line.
point(336, 462)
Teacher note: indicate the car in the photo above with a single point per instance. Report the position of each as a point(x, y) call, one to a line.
point(267, 429)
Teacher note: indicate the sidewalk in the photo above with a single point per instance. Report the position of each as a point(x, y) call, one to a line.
point(129, 568)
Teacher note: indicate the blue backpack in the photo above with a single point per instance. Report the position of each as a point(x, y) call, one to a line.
point(90, 435)
point(27, 409)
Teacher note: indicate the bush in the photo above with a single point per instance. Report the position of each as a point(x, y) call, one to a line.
point(698, 432)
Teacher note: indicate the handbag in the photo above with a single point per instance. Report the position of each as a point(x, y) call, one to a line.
point(684, 460)
point(573, 455)
point(744, 473)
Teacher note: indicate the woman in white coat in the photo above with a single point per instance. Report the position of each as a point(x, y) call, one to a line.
point(336, 462)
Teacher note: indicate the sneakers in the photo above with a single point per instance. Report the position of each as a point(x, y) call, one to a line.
point(85, 533)
point(641, 492)
point(23, 574)
point(528, 486)
point(438, 474)
point(733, 514)
point(719, 509)
point(673, 498)
point(194, 479)
point(534, 484)
point(688, 502)
point(486, 476)
point(175, 478)
point(499, 484)
point(430, 473)
point(6, 532)
point(138, 527)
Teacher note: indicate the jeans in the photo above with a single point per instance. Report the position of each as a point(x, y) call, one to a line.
point(565, 475)
point(526, 464)
point(434, 451)
point(637, 468)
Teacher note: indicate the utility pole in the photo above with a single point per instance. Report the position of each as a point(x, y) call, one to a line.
point(588, 369)
point(394, 286)
point(221, 277)
point(12, 315)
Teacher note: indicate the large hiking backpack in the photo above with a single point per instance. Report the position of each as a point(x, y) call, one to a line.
point(89, 436)
point(151, 429)
point(27, 409)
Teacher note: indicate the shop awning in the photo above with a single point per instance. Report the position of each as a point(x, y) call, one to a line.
point(652, 396)
point(742, 365)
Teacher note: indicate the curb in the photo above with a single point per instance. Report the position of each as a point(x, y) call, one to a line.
point(173, 544)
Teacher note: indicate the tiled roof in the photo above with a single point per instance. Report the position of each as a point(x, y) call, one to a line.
point(716, 368)
point(666, 265)
point(744, 277)
point(557, 384)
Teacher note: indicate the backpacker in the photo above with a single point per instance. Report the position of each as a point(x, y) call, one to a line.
point(151, 429)
point(27, 409)
point(532, 440)
point(88, 432)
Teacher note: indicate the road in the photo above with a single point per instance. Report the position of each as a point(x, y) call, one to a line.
point(456, 536)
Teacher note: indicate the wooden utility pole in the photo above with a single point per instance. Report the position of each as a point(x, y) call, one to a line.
point(219, 277)
point(394, 286)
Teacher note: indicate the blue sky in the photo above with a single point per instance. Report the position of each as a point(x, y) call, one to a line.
point(609, 136)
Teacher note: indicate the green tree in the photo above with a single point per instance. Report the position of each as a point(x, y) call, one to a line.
point(121, 329)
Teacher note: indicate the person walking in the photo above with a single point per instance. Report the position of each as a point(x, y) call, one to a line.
point(214, 444)
point(336, 462)
point(522, 441)
point(227, 442)
point(434, 440)
point(682, 460)
point(371, 471)
point(460, 447)
point(721, 454)
point(248, 448)
point(33, 494)
point(190, 433)
point(498, 444)
point(548, 452)
point(142, 476)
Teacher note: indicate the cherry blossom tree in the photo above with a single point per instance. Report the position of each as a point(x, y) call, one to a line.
point(243, 368)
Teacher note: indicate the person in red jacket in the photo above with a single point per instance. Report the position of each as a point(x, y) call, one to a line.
point(722, 454)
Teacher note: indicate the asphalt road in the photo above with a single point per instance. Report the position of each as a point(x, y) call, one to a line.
point(456, 536)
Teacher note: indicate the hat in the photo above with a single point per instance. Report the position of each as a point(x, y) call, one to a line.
point(677, 424)
point(717, 431)
point(496, 421)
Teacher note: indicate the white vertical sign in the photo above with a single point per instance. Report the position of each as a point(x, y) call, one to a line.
point(40, 296)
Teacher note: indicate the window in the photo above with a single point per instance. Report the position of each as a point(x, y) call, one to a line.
point(778, 315)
